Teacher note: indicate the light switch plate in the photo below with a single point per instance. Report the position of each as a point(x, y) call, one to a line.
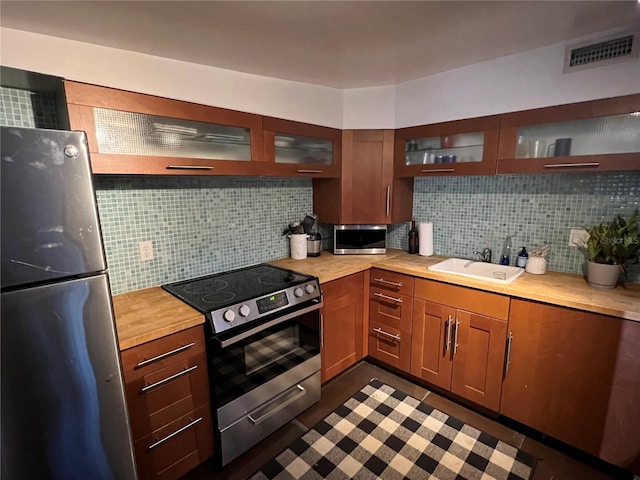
point(578, 237)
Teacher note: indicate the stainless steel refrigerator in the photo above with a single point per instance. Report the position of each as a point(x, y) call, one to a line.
point(64, 413)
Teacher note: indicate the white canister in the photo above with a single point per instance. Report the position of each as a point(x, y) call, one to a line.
point(536, 265)
point(298, 245)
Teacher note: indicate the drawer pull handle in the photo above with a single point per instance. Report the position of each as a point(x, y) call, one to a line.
point(168, 379)
point(188, 167)
point(165, 355)
point(388, 282)
point(387, 334)
point(309, 171)
point(387, 297)
point(280, 401)
point(171, 435)
point(439, 170)
point(572, 165)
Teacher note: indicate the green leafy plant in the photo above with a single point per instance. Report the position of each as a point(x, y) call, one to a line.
point(614, 243)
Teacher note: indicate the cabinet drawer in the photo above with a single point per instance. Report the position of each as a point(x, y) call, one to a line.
point(484, 303)
point(170, 452)
point(390, 344)
point(391, 283)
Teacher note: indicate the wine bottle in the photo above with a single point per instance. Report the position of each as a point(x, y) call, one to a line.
point(413, 237)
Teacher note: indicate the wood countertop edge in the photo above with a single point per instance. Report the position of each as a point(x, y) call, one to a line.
point(133, 315)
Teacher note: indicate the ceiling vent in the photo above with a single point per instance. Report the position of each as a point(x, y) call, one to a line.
point(620, 47)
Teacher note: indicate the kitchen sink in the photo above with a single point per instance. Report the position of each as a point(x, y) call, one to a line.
point(478, 270)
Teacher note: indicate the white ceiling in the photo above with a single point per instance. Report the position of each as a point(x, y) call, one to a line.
point(342, 44)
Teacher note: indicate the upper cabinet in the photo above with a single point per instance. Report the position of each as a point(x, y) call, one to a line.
point(132, 133)
point(366, 192)
point(594, 135)
point(299, 149)
point(461, 147)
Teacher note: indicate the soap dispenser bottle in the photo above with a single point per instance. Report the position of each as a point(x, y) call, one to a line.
point(521, 260)
point(505, 257)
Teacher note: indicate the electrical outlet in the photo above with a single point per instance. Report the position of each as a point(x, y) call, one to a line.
point(146, 250)
point(578, 237)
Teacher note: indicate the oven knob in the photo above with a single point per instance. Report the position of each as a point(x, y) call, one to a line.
point(309, 288)
point(245, 310)
point(229, 316)
point(298, 292)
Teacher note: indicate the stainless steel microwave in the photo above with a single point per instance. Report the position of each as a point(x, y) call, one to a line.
point(359, 239)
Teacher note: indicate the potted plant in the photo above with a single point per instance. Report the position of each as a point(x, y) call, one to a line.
point(609, 248)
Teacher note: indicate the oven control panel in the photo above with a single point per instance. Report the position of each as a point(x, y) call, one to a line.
point(248, 311)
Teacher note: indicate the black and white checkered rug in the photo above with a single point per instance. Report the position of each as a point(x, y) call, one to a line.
point(381, 432)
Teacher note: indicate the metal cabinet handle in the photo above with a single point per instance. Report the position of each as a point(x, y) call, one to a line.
point(438, 170)
point(321, 330)
point(570, 165)
point(387, 334)
point(388, 199)
point(171, 435)
point(309, 171)
point(168, 379)
point(448, 342)
point(164, 355)
point(299, 392)
point(387, 297)
point(188, 167)
point(507, 361)
point(382, 280)
point(455, 337)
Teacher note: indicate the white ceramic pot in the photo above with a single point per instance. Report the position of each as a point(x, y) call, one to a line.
point(536, 265)
point(601, 275)
point(298, 245)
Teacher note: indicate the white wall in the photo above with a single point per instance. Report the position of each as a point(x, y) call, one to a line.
point(171, 78)
point(517, 82)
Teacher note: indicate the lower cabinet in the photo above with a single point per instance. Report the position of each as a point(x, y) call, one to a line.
point(575, 375)
point(390, 313)
point(167, 392)
point(458, 340)
point(342, 323)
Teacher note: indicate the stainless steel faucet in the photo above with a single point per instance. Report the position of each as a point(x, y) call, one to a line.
point(485, 255)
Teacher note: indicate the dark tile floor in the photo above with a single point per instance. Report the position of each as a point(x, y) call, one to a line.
point(552, 464)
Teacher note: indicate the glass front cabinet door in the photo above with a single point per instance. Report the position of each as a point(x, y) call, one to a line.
point(300, 149)
point(595, 135)
point(462, 147)
point(132, 133)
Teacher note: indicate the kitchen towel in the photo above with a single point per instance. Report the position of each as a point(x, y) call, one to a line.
point(425, 239)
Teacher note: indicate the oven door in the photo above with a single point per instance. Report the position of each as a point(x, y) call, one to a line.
point(263, 377)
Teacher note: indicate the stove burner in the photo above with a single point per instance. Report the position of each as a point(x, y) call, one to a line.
point(275, 279)
point(209, 285)
point(215, 298)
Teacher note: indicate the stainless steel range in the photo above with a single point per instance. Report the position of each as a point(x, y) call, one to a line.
point(263, 329)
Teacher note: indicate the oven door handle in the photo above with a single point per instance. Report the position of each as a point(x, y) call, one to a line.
point(269, 324)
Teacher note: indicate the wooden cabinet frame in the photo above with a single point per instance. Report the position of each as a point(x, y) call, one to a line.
point(83, 98)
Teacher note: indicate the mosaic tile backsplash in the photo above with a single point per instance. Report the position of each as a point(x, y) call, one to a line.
point(202, 225)
point(198, 225)
point(471, 213)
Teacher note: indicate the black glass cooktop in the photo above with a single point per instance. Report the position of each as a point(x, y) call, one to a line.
point(228, 288)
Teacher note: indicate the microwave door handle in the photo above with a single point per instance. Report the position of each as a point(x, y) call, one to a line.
point(276, 321)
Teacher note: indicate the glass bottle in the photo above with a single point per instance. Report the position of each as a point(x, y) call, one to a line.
point(413, 237)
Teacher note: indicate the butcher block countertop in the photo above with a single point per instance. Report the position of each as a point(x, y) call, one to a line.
point(153, 313)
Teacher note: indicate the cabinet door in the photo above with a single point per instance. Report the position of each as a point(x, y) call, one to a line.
point(342, 324)
point(461, 147)
point(596, 135)
point(300, 149)
point(366, 192)
point(560, 371)
point(478, 358)
point(133, 133)
point(431, 342)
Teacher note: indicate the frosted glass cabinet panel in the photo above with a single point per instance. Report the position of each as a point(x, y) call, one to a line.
point(586, 136)
point(303, 150)
point(130, 133)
